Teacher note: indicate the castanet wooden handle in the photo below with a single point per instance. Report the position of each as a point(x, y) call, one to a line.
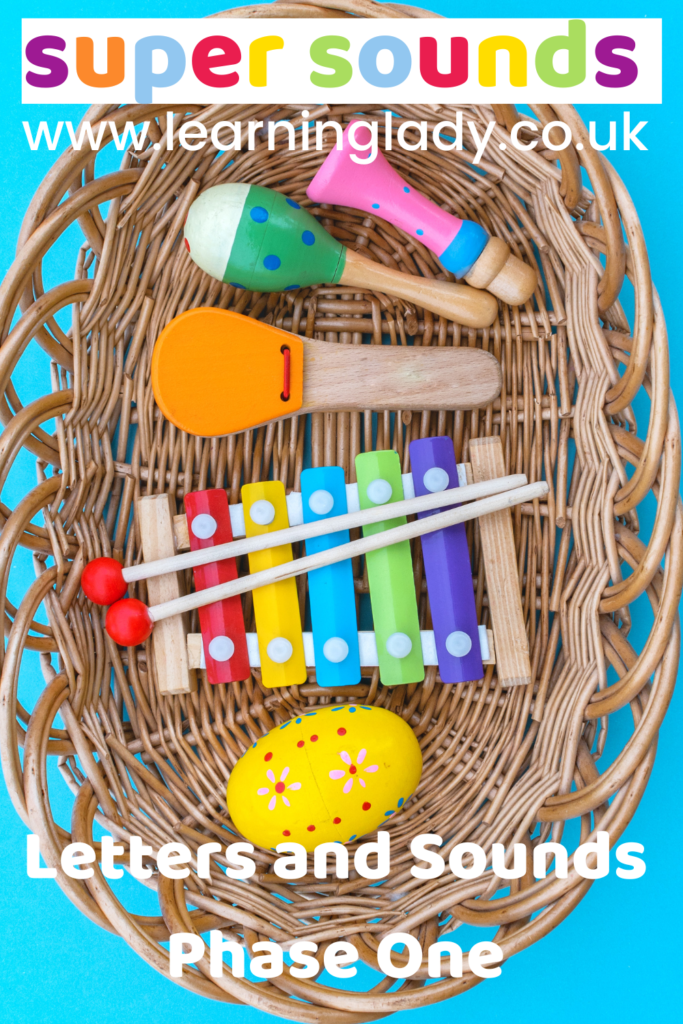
point(458, 302)
point(357, 377)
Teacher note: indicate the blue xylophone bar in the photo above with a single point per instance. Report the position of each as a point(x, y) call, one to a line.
point(331, 591)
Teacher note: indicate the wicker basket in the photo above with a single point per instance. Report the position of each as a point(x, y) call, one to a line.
point(501, 764)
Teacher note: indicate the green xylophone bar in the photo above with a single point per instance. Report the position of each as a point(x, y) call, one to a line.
point(390, 575)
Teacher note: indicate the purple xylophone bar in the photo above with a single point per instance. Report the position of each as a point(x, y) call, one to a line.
point(447, 568)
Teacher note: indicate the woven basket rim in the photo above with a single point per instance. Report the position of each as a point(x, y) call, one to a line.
point(531, 754)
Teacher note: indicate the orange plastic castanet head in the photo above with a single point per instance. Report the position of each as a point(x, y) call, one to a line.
point(216, 372)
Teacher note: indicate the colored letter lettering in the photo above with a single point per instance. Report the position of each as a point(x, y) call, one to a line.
point(204, 61)
point(429, 63)
point(36, 55)
point(488, 50)
point(575, 45)
point(85, 62)
point(146, 80)
point(627, 68)
point(367, 61)
point(320, 54)
point(258, 58)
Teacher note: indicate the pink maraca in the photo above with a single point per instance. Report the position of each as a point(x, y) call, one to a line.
point(463, 247)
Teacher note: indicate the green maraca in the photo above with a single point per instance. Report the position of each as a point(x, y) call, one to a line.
point(253, 237)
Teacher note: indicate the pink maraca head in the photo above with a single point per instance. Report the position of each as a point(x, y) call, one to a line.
point(378, 189)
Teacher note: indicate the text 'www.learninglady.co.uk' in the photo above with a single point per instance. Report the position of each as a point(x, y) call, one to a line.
point(446, 136)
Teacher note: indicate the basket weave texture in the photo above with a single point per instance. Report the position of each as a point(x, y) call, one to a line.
point(505, 765)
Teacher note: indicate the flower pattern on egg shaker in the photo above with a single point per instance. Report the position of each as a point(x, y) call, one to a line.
point(352, 771)
point(278, 788)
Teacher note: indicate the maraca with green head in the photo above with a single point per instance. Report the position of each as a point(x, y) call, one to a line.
point(253, 237)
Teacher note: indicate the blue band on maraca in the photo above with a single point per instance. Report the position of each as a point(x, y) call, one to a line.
point(465, 249)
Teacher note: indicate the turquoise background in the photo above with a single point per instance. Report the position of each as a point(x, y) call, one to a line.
point(612, 959)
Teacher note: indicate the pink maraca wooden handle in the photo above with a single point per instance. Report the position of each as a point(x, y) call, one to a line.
point(503, 274)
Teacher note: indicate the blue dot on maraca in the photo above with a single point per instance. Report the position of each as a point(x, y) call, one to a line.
point(272, 262)
point(375, 206)
point(419, 231)
point(292, 203)
point(234, 284)
point(292, 287)
point(308, 238)
point(259, 215)
point(406, 189)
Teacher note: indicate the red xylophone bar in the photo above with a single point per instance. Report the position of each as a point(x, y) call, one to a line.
point(222, 624)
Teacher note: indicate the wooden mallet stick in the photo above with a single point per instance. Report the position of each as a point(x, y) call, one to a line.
point(130, 622)
point(104, 580)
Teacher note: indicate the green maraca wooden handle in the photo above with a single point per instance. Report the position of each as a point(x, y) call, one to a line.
point(256, 238)
point(459, 302)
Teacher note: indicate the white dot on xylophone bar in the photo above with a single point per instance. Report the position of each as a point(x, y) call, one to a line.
point(279, 650)
point(221, 648)
point(321, 502)
point(204, 526)
point(335, 649)
point(399, 645)
point(379, 491)
point(262, 513)
point(458, 643)
point(435, 479)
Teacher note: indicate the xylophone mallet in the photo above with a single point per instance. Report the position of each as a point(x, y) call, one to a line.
point(105, 580)
point(130, 622)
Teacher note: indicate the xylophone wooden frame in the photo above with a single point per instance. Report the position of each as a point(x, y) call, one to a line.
point(497, 762)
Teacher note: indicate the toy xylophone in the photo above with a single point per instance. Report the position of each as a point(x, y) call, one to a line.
point(265, 518)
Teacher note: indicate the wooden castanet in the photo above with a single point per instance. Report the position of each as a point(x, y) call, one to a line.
point(463, 247)
point(216, 372)
point(253, 237)
point(130, 622)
